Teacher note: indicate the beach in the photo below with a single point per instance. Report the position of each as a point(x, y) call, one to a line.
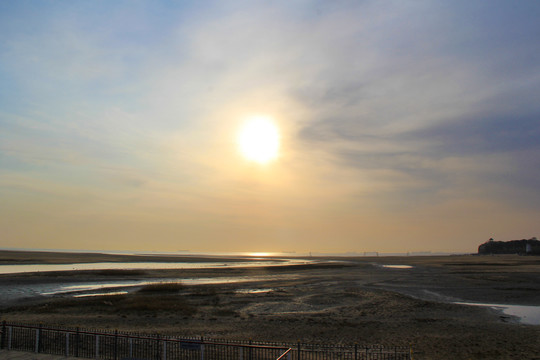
point(394, 301)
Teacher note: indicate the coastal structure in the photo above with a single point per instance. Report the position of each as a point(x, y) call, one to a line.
point(522, 247)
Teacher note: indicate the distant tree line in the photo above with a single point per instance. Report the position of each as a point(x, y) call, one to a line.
point(522, 247)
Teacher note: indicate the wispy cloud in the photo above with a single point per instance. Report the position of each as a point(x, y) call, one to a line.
point(401, 113)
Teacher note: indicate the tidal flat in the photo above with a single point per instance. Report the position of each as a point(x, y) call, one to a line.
point(391, 301)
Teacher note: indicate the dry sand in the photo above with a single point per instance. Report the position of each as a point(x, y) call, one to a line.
point(356, 301)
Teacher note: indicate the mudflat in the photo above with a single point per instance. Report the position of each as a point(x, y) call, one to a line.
point(332, 300)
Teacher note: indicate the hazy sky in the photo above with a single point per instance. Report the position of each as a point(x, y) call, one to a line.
point(404, 125)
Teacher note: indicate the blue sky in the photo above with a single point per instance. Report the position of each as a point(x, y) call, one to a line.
point(405, 126)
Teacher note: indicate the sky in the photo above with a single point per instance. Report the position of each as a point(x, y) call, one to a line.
point(403, 125)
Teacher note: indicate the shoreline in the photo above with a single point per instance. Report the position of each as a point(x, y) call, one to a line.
point(18, 257)
point(354, 300)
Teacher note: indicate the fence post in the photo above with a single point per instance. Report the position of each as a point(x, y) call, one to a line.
point(240, 353)
point(250, 352)
point(164, 355)
point(40, 342)
point(202, 348)
point(38, 333)
point(77, 342)
point(115, 344)
point(157, 346)
point(97, 346)
point(3, 339)
point(298, 351)
point(130, 347)
point(67, 344)
point(10, 336)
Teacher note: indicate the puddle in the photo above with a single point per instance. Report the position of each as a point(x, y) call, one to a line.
point(89, 289)
point(397, 266)
point(67, 289)
point(527, 314)
point(101, 294)
point(253, 291)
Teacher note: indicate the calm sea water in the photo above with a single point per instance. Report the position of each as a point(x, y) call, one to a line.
point(256, 262)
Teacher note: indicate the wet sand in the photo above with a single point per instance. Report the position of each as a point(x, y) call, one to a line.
point(353, 300)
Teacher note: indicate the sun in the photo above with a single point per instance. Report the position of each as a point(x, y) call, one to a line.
point(258, 140)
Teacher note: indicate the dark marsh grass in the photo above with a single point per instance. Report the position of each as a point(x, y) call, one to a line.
point(165, 303)
point(136, 304)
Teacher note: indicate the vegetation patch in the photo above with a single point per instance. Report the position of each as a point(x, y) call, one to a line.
point(225, 312)
point(156, 304)
point(164, 287)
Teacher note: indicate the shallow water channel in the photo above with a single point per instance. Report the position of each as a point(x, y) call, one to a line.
point(11, 293)
point(526, 314)
point(28, 268)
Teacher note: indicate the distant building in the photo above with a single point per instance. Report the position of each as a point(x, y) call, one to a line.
point(521, 247)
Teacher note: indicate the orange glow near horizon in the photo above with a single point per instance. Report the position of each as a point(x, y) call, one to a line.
point(263, 254)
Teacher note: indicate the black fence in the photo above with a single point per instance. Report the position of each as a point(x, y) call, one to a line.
point(114, 345)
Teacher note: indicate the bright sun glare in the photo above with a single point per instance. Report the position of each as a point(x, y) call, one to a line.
point(258, 140)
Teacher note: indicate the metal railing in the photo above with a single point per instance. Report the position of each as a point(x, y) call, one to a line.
point(114, 345)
